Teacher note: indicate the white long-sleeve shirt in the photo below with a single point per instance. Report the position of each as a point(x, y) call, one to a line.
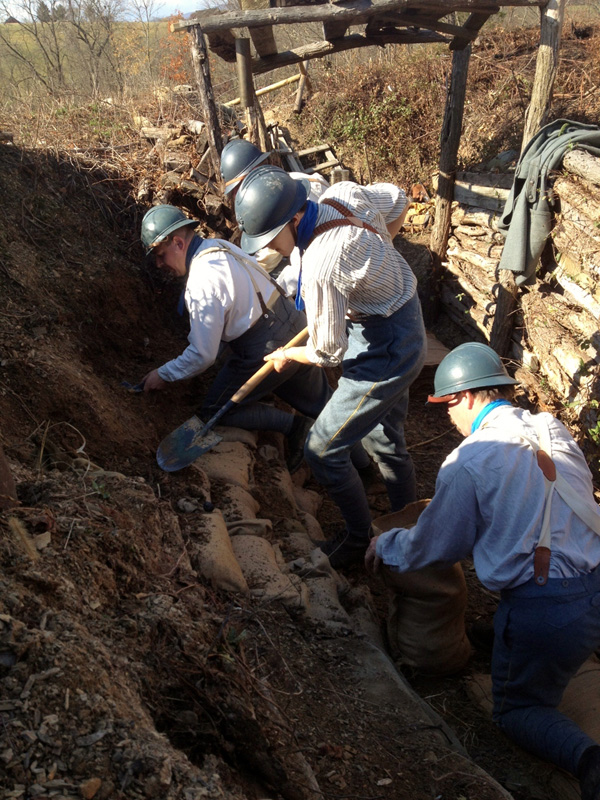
point(352, 268)
point(222, 305)
point(489, 502)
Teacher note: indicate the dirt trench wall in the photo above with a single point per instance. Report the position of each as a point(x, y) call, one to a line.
point(555, 340)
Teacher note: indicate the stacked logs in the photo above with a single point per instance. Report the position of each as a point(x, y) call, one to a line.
point(555, 332)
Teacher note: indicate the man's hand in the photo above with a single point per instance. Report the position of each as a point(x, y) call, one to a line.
point(372, 560)
point(280, 360)
point(153, 381)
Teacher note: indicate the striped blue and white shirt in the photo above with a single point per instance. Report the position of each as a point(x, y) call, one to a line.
point(352, 269)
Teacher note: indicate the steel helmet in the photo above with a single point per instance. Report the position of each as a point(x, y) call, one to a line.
point(238, 157)
point(469, 366)
point(161, 221)
point(267, 200)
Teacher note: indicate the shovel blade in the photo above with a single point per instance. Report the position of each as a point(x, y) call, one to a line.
point(185, 444)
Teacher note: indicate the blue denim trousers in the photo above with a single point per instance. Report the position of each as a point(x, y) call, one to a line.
point(383, 358)
point(304, 387)
point(543, 634)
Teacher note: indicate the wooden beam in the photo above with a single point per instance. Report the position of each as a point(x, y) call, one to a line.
point(334, 30)
point(265, 90)
point(222, 44)
point(449, 142)
point(244, 72)
point(263, 39)
point(206, 94)
point(546, 68)
point(320, 49)
point(471, 28)
point(349, 12)
point(302, 85)
point(254, 120)
point(418, 21)
point(309, 151)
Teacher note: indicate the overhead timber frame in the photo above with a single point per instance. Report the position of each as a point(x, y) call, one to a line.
point(378, 22)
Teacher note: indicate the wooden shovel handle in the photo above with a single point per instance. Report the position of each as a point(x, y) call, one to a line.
point(265, 370)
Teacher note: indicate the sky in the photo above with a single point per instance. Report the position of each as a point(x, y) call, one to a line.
point(169, 7)
point(165, 8)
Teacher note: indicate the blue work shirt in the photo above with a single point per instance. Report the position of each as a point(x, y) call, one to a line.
point(489, 502)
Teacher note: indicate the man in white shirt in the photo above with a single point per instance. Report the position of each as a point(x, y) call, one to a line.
point(231, 299)
point(516, 494)
point(349, 264)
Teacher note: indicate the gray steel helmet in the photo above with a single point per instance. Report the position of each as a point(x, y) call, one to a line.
point(469, 366)
point(238, 157)
point(267, 200)
point(161, 221)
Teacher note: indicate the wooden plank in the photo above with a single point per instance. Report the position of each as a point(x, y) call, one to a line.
point(320, 49)
point(350, 10)
point(325, 165)
point(308, 151)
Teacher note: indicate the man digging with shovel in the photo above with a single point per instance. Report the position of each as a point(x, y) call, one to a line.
point(231, 299)
point(518, 495)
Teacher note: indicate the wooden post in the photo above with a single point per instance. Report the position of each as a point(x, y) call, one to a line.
point(449, 142)
point(254, 119)
point(304, 83)
point(504, 315)
point(546, 68)
point(207, 98)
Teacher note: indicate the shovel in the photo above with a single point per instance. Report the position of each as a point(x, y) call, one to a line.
point(190, 440)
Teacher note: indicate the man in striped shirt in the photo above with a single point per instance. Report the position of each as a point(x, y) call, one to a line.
point(363, 314)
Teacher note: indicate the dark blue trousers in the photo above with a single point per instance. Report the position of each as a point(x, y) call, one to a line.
point(543, 634)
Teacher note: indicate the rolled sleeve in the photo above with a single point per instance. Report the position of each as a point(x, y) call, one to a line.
point(326, 312)
point(207, 321)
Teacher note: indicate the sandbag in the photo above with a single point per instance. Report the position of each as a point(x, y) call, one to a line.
point(426, 616)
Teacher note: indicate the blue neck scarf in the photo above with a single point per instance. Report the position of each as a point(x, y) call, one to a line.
point(193, 248)
point(485, 411)
point(304, 234)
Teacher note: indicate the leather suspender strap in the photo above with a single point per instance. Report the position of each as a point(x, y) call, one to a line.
point(554, 481)
point(349, 219)
point(248, 266)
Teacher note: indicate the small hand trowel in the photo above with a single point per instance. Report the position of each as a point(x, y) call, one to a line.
point(190, 440)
